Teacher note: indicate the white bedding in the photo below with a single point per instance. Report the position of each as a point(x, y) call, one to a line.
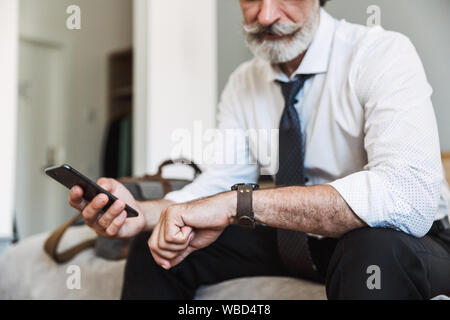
point(26, 272)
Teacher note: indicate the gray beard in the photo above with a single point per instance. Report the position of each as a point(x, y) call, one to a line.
point(281, 51)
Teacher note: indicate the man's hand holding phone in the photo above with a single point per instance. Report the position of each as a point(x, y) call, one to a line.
point(113, 223)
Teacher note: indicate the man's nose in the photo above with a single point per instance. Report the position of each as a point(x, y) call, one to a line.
point(269, 13)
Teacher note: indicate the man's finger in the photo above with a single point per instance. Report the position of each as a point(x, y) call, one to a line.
point(153, 245)
point(106, 184)
point(161, 261)
point(180, 258)
point(171, 246)
point(94, 208)
point(167, 254)
point(76, 200)
point(176, 251)
point(116, 224)
point(173, 234)
point(117, 207)
point(164, 248)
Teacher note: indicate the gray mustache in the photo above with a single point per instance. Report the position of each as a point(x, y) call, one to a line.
point(277, 29)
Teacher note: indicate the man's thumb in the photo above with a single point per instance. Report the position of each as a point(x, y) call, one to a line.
point(187, 233)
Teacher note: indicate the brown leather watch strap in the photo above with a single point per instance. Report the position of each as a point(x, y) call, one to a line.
point(244, 209)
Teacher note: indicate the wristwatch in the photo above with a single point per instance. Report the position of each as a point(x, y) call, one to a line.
point(244, 208)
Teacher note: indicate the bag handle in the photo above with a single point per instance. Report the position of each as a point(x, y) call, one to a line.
point(164, 182)
point(194, 166)
point(52, 243)
point(158, 176)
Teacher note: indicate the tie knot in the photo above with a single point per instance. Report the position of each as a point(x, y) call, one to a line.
point(291, 89)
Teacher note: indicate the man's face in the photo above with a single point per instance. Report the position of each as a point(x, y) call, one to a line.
point(279, 30)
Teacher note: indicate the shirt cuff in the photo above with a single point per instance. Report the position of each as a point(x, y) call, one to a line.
point(365, 194)
point(180, 196)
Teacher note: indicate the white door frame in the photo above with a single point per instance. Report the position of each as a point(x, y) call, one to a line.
point(8, 108)
point(175, 74)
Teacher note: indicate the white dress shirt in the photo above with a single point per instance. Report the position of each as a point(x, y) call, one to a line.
point(368, 121)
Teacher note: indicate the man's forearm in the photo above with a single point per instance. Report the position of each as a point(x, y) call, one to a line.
point(318, 210)
point(152, 211)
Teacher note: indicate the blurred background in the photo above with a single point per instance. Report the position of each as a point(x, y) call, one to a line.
point(106, 98)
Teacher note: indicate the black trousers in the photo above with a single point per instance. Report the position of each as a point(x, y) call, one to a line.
point(405, 267)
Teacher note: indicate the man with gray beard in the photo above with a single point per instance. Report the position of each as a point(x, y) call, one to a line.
point(360, 204)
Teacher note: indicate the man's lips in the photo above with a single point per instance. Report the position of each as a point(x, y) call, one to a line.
point(271, 37)
point(275, 37)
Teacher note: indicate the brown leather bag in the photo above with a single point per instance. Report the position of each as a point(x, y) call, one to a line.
point(148, 187)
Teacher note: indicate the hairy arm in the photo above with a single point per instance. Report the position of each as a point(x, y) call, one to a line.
point(318, 210)
point(186, 227)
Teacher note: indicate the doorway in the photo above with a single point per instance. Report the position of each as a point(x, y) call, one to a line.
point(39, 202)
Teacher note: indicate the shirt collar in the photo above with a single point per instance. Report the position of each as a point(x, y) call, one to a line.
point(317, 57)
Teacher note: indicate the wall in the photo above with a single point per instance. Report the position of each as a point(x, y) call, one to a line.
point(8, 99)
point(232, 50)
point(106, 26)
point(176, 46)
point(427, 23)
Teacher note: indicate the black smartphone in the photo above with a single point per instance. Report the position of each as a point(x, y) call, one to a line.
point(69, 177)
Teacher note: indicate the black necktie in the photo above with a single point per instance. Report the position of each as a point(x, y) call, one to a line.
point(293, 245)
